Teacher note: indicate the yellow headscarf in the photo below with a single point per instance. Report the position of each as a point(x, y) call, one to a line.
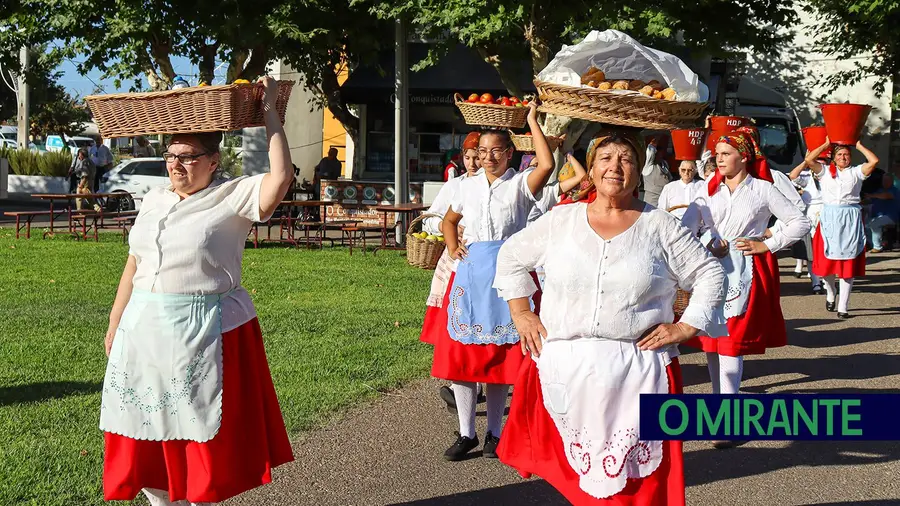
point(632, 137)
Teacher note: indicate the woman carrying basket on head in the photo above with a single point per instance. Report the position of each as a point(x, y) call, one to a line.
point(612, 267)
point(481, 344)
point(839, 243)
point(733, 211)
point(188, 406)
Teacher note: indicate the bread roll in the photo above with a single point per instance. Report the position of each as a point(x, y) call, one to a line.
point(668, 94)
point(605, 85)
point(646, 90)
point(657, 94)
point(656, 85)
point(620, 85)
point(636, 85)
point(592, 74)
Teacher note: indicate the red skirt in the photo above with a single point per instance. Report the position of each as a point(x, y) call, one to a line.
point(762, 325)
point(435, 321)
point(823, 266)
point(472, 363)
point(251, 441)
point(532, 445)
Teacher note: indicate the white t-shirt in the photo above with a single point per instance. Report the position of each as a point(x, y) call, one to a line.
point(550, 198)
point(497, 211)
point(196, 245)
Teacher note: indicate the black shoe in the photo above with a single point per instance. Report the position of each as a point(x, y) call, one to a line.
point(461, 447)
point(843, 316)
point(448, 397)
point(798, 275)
point(490, 446)
point(829, 306)
point(481, 398)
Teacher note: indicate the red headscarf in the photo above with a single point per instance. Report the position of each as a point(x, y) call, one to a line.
point(745, 140)
point(587, 192)
point(471, 141)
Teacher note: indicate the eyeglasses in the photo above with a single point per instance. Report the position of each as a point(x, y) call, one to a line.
point(184, 159)
point(495, 153)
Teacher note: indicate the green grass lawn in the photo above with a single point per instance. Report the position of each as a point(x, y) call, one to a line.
point(337, 329)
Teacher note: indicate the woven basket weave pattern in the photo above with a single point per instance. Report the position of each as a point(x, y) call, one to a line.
point(525, 143)
point(188, 110)
point(420, 252)
point(616, 108)
point(492, 114)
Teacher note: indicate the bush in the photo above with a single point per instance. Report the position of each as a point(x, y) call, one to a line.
point(23, 162)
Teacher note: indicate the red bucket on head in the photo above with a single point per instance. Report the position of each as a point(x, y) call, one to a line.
point(814, 137)
point(844, 123)
point(721, 125)
point(688, 143)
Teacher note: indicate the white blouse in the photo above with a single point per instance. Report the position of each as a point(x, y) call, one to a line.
point(550, 198)
point(746, 213)
point(845, 189)
point(611, 289)
point(784, 185)
point(677, 193)
point(196, 245)
point(497, 211)
point(440, 205)
point(812, 195)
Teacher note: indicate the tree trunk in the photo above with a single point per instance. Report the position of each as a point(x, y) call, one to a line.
point(207, 63)
point(156, 82)
point(893, 161)
point(236, 65)
point(331, 89)
point(508, 80)
point(160, 53)
point(256, 66)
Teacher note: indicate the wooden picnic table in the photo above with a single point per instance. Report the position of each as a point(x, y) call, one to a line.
point(68, 197)
point(404, 209)
point(288, 222)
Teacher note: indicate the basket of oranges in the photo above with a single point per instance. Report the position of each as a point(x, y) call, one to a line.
point(194, 109)
point(485, 110)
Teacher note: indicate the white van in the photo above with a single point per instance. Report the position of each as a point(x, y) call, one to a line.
point(55, 143)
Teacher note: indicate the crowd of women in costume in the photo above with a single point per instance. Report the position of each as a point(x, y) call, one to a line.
point(564, 291)
point(585, 293)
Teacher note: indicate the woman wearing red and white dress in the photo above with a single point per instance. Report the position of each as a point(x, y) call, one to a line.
point(733, 211)
point(839, 244)
point(481, 342)
point(604, 336)
point(188, 407)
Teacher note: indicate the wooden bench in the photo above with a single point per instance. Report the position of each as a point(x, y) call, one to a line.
point(355, 232)
point(90, 219)
point(124, 222)
point(28, 216)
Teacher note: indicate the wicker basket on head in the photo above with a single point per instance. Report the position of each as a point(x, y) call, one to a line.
point(422, 252)
point(491, 114)
point(525, 143)
point(631, 110)
point(682, 298)
point(187, 110)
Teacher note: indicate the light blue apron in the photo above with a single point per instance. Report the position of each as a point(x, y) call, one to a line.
point(477, 314)
point(842, 231)
point(164, 376)
point(738, 280)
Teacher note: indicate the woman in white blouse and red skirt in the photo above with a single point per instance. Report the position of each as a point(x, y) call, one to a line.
point(612, 266)
point(733, 211)
point(480, 344)
point(839, 244)
point(188, 407)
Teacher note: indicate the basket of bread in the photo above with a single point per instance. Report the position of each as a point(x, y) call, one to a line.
point(191, 109)
point(485, 110)
point(611, 78)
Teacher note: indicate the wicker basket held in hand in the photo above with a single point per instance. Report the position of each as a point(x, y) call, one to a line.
point(422, 252)
point(525, 143)
point(491, 114)
point(632, 110)
point(187, 110)
point(682, 298)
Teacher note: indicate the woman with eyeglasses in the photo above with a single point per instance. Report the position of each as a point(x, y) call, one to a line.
point(481, 344)
point(188, 406)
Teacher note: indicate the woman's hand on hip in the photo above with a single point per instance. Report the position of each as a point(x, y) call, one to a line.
point(718, 248)
point(531, 331)
point(666, 334)
point(751, 246)
point(460, 253)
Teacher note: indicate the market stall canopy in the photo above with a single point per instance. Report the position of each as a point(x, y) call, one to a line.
point(461, 70)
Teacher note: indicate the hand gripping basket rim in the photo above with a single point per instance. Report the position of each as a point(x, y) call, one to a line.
point(188, 110)
point(618, 109)
point(491, 114)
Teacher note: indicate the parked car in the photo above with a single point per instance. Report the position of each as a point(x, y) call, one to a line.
point(136, 176)
point(8, 143)
point(56, 143)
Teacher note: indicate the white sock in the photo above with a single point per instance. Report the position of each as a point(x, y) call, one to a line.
point(731, 369)
point(465, 407)
point(159, 497)
point(828, 281)
point(799, 268)
point(712, 363)
point(496, 407)
point(844, 299)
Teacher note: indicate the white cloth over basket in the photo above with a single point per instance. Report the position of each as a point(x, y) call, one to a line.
point(621, 57)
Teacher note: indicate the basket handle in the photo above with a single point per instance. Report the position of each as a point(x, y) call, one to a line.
point(458, 98)
point(682, 206)
point(420, 218)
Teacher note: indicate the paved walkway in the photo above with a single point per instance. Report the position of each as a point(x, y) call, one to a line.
point(389, 452)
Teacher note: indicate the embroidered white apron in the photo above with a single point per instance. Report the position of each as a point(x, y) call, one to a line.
point(164, 375)
point(738, 280)
point(591, 389)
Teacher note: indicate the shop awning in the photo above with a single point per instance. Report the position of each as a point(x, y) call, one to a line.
point(461, 70)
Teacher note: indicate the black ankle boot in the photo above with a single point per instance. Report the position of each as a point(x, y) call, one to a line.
point(461, 447)
point(829, 306)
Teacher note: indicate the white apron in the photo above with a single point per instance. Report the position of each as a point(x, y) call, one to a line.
point(164, 375)
point(591, 389)
point(738, 280)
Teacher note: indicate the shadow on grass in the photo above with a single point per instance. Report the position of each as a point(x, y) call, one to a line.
point(38, 392)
